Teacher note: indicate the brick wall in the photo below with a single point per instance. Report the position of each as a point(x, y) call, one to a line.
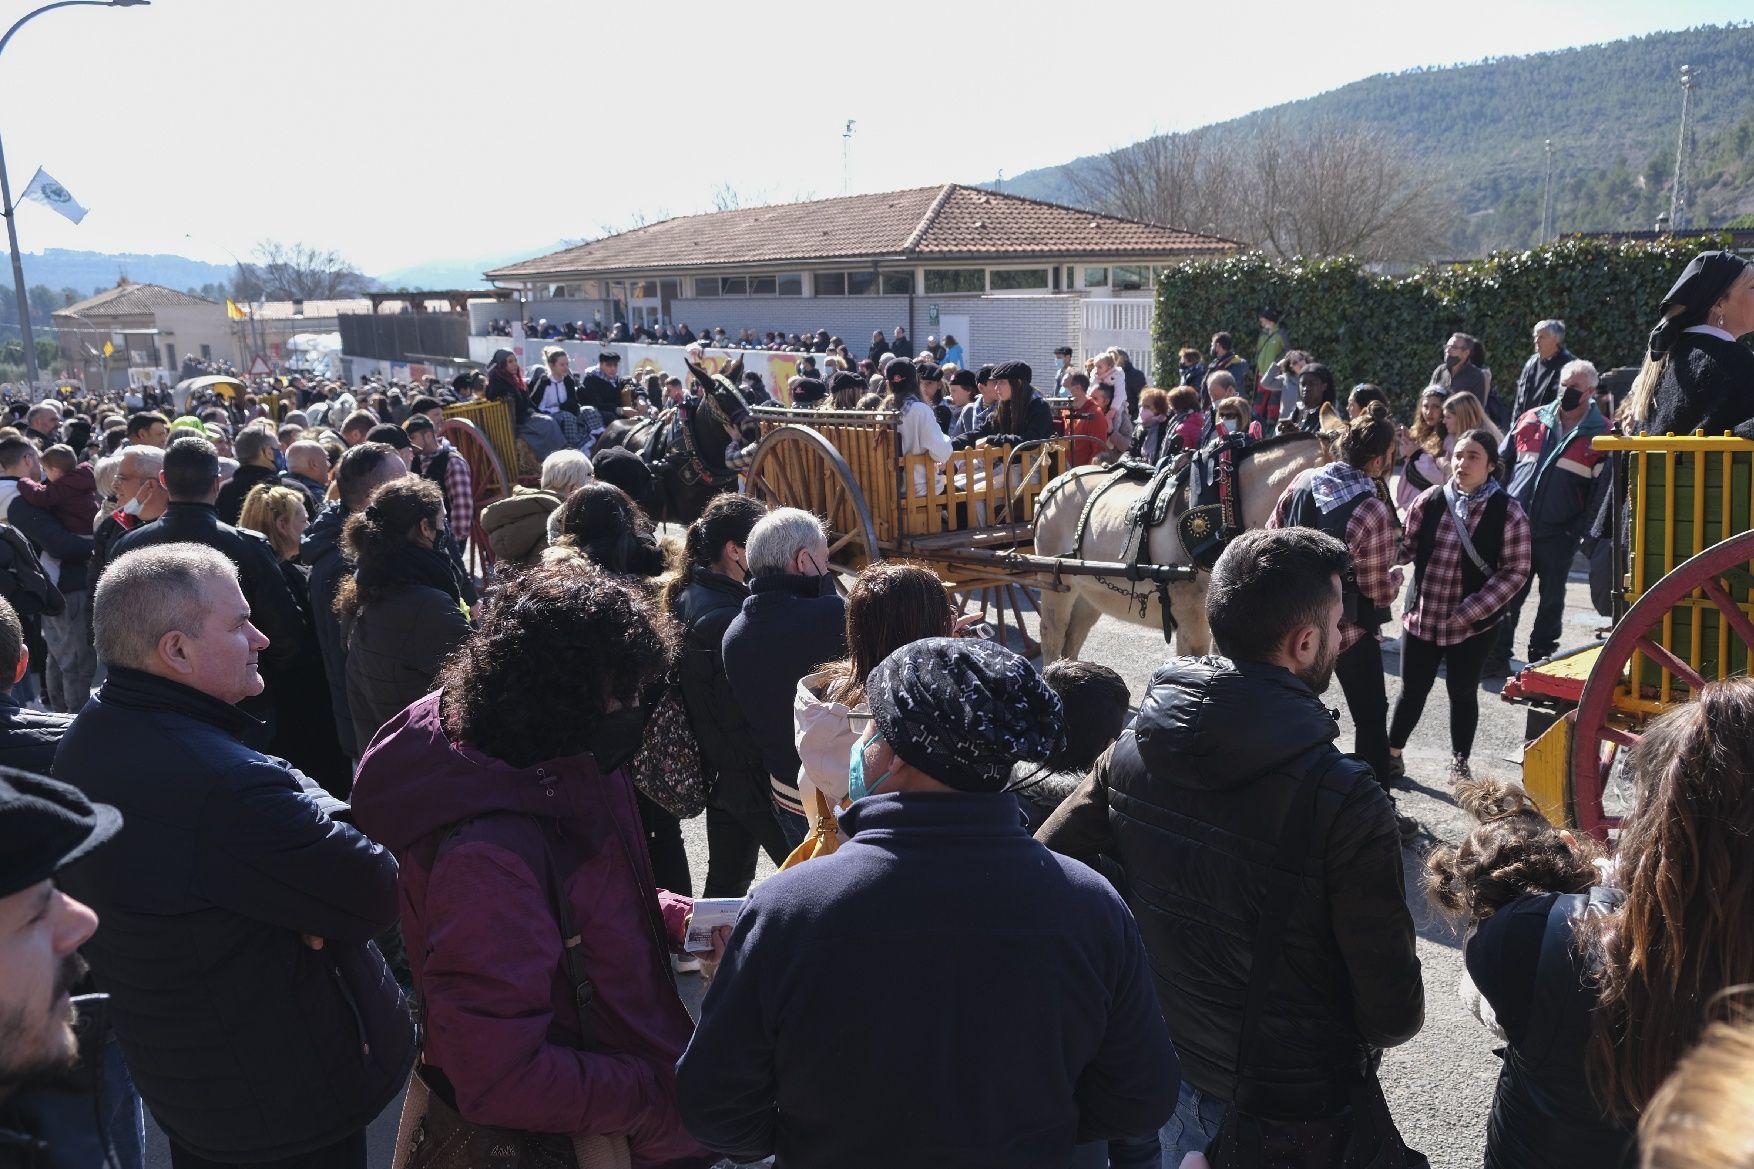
point(1008, 328)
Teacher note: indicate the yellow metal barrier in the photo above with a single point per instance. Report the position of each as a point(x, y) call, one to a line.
point(1547, 771)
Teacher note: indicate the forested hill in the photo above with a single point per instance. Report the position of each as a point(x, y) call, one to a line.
point(1612, 112)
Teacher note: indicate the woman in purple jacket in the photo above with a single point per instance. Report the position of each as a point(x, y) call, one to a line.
point(503, 785)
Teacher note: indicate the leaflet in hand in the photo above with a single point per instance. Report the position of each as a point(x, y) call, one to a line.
point(709, 914)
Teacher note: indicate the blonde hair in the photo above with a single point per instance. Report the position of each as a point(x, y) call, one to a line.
point(1470, 415)
point(1701, 1117)
point(267, 506)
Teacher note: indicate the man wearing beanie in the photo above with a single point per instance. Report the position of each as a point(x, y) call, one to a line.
point(854, 1021)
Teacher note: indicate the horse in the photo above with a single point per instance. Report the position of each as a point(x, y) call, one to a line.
point(1262, 474)
point(686, 446)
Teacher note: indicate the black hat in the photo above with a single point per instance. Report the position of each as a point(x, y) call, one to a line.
point(607, 355)
point(963, 710)
point(45, 825)
point(807, 391)
point(928, 371)
point(964, 377)
point(983, 375)
point(500, 356)
point(900, 376)
point(1268, 312)
point(1702, 282)
point(422, 404)
point(1017, 372)
point(625, 470)
point(389, 434)
point(1063, 351)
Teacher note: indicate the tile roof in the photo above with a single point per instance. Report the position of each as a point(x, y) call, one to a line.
point(127, 300)
point(949, 221)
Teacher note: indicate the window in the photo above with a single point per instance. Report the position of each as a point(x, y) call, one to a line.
point(831, 284)
point(733, 286)
point(861, 284)
point(898, 283)
point(762, 286)
point(669, 290)
point(1132, 278)
point(1096, 277)
point(939, 280)
point(706, 286)
point(791, 284)
point(1018, 279)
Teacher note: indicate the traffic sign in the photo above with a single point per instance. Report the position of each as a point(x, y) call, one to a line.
point(260, 367)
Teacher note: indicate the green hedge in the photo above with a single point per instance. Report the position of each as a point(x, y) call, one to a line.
point(1389, 330)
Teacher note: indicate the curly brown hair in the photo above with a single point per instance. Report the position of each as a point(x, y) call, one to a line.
point(558, 643)
point(1514, 850)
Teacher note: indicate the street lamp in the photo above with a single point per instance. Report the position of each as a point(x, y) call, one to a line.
point(6, 207)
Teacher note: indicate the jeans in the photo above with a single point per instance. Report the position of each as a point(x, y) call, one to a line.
point(1419, 661)
point(1551, 558)
point(72, 661)
point(793, 826)
point(347, 1153)
point(1359, 671)
point(1191, 1129)
point(732, 841)
point(124, 1115)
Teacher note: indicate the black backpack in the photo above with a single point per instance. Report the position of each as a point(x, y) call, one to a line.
point(23, 580)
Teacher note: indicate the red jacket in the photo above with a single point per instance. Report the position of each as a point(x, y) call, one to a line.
point(485, 947)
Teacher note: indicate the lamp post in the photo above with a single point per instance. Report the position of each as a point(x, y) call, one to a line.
point(6, 206)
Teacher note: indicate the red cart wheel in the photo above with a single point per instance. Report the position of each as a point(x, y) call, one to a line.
point(1598, 738)
point(488, 476)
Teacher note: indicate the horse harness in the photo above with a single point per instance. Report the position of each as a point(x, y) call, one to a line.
point(694, 469)
point(1204, 493)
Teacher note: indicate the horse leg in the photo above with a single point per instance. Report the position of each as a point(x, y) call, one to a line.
point(1056, 620)
point(1193, 636)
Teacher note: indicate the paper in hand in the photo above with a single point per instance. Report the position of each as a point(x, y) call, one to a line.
point(709, 914)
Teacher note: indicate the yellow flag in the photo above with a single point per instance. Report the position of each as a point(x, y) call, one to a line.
point(109, 349)
point(232, 310)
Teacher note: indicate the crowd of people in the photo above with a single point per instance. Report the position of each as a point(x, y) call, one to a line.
point(333, 822)
point(777, 341)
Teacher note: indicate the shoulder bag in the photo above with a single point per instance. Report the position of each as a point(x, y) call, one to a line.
point(434, 1135)
point(666, 769)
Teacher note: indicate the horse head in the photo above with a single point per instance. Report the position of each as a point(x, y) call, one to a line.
point(724, 402)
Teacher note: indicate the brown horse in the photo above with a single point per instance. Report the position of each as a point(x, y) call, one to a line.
point(1264, 472)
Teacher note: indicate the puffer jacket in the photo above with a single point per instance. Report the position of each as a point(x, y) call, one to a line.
point(825, 734)
point(395, 646)
point(1190, 802)
point(473, 836)
point(706, 609)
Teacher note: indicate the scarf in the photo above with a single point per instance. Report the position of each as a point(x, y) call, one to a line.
point(1336, 483)
point(1461, 504)
point(412, 564)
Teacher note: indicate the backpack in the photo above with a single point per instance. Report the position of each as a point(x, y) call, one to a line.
point(22, 579)
point(667, 769)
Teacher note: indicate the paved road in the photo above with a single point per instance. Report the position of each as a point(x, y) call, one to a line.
point(1439, 1085)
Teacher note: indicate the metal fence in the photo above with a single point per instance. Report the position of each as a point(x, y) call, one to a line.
point(405, 336)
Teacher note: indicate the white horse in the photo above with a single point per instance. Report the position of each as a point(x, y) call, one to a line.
point(1067, 617)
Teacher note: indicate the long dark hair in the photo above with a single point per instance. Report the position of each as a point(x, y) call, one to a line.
point(373, 536)
point(558, 642)
point(890, 605)
point(1686, 858)
point(1368, 436)
point(1010, 413)
point(610, 530)
point(728, 519)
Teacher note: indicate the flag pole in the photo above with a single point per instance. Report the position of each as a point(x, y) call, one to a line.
point(30, 349)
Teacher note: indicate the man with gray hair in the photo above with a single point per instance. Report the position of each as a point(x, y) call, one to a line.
point(257, 449)
point(1556, 475)
point(255, 1015)
point(1538, 384)
point(792, 621)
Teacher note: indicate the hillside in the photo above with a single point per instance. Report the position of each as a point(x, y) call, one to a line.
point(87, 273)
point(1611, 110)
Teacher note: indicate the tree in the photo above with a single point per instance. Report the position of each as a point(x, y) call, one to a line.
point(298, 271)
point(726, 198)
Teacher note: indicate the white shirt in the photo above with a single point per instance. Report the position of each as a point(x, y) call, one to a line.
point(1711, 331)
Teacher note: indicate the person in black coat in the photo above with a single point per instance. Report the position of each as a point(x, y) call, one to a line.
point(1697, 375)
point(601, 386)
point(1021, 414)
point(1226, 754)
point(554, 388)
point(256, 1017)
point(255, 448)
point(191, 481)
point(792, 622)
point(28, 737)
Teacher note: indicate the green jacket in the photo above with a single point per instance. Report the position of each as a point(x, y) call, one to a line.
point(1271, 348)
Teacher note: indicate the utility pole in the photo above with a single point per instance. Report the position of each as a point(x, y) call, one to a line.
point(1681, 198)
point(1547, 199)
point(846, 159)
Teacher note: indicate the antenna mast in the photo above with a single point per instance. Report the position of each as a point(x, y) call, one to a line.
point(1547, 199)
point(1681, 198)
point(846, 159)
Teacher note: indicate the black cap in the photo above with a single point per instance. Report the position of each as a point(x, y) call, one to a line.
point(1268, 312)
point(1014, 371)
point(607, 355)
point(389, 434)
point(499, 356)
point(928, 371)
point(807, 391)
point(424, 403)
point(964, 377)
point(624, 469)
point(45, 825)
point(898, 371)
point(983, 375)
point(1063, 351)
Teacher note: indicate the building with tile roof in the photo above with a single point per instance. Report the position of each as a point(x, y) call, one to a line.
point(1008, 276)
point(147, 327)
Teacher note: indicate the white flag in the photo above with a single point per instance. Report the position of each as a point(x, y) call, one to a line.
point(53, 195)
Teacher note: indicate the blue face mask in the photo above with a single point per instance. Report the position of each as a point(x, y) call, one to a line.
point(280, 461)
point(857, 788)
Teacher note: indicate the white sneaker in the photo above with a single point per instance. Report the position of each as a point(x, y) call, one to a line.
point(685, 963)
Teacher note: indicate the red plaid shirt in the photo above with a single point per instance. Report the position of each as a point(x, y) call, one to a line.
point(1441, 614)
point(459, 493)
point(1370, 537)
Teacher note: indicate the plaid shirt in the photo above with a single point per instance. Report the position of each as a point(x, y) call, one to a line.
point(1441, 614)
point(459, 494)
point(1370, 537)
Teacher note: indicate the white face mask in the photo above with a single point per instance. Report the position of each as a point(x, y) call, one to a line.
point(133, 507)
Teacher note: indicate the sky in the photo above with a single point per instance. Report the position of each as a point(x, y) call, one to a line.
point(398, 132)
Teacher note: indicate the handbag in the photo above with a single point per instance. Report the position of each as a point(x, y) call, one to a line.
point(824, 841)
point(1363, 1137)
point(666, 769)
point(432, 1134)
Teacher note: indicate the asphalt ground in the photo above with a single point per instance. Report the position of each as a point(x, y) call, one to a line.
point(1439, 1085)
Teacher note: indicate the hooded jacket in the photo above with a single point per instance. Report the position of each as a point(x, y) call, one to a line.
point(473, 835)
point(1190, 802)
point(248, 1044)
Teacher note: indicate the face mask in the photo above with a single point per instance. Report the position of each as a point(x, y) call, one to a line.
point(1227, 425)
point(857, 788)
point(280, 461)
point(618, 737)
point(1570, 399)
point(133, 507)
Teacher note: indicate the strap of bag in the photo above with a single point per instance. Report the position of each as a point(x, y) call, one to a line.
point(570, 941)
point(1462, 534)
point(1295, 834)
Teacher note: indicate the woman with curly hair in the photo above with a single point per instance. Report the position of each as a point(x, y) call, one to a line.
point(504, 799)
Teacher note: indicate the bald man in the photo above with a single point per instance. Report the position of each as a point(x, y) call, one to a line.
point(307, 469)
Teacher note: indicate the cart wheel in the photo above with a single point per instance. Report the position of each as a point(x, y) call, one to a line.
point(1697, 586)
point(796, 467)
point(488, 476)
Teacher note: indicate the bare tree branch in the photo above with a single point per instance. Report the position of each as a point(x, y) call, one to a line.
point(298, 271)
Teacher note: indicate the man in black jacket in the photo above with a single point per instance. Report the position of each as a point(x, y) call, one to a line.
point(65, 557)
point(256, 448)
point(307, 468)
point(936, 1063)
point(1538, 383)
point(28, 737)
point(361, 471)
point(601, 387)
point(792, 622)
point(191, 483)
point(258, 1020)
point(1230, 757)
